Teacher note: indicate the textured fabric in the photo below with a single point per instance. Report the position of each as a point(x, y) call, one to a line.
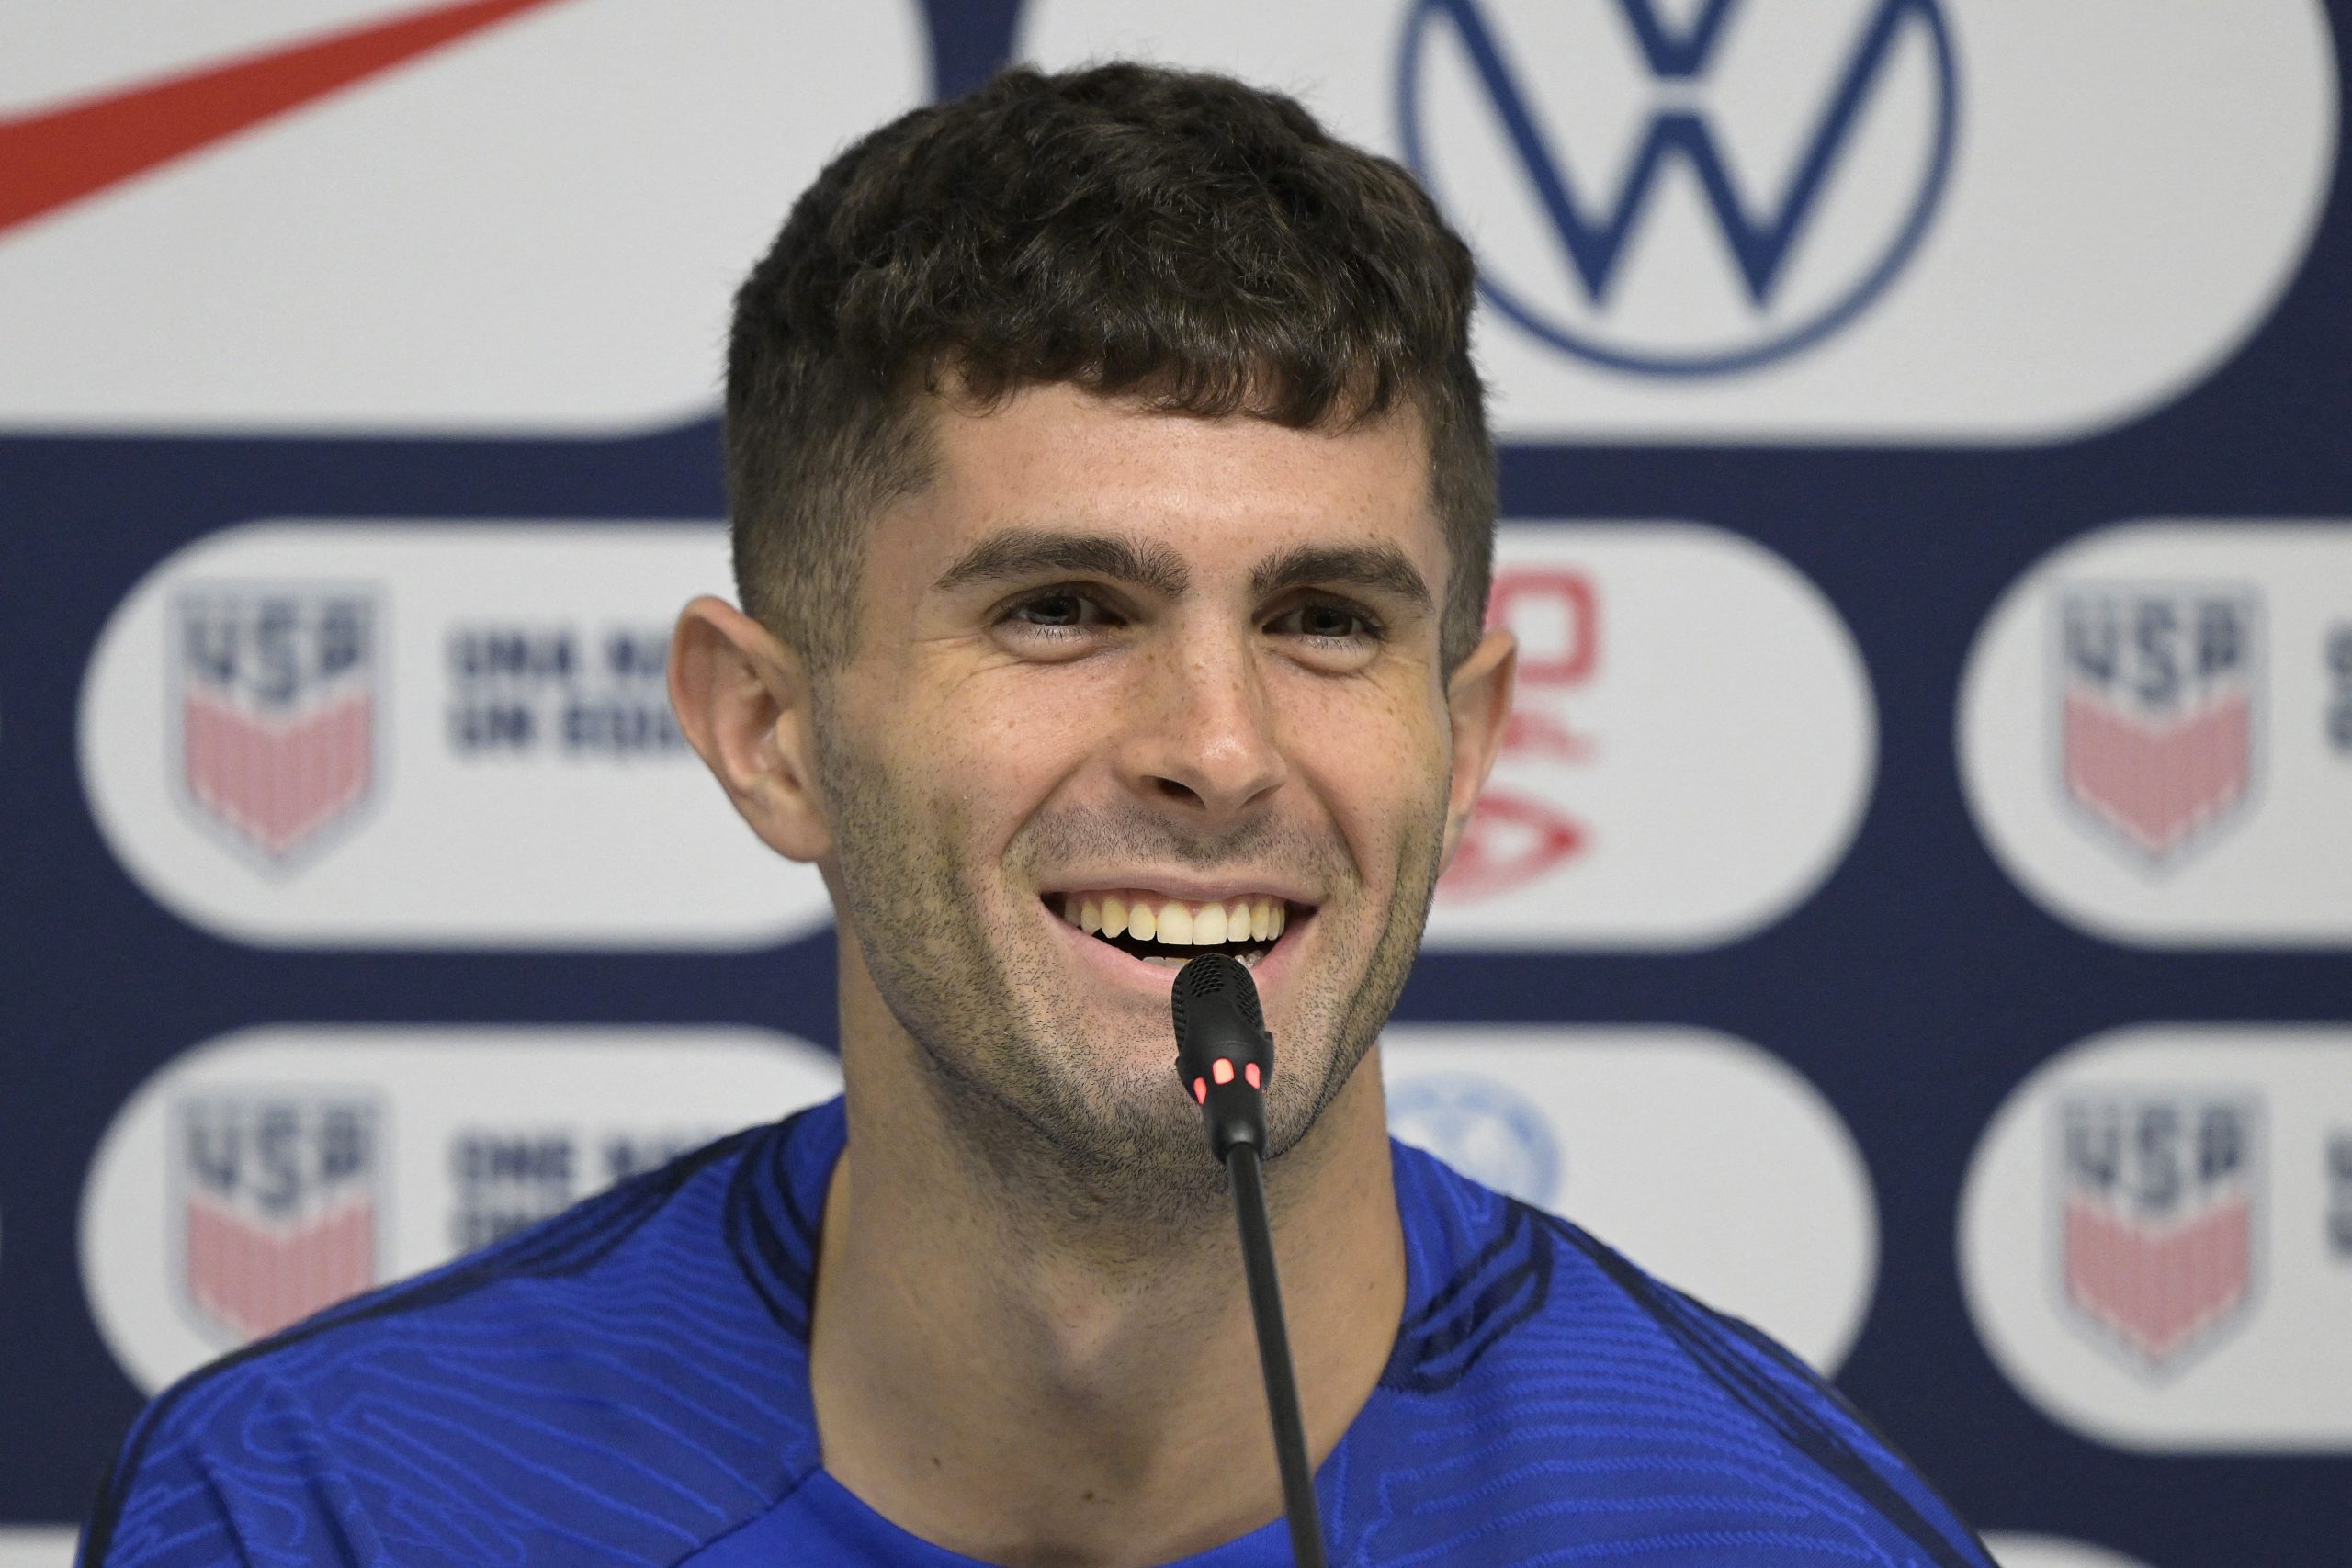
point(628, 1385)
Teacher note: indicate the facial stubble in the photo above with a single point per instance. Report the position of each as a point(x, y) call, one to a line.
point(1023, 1080)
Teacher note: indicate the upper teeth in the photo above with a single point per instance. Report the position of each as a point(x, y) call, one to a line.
point(1176, 921)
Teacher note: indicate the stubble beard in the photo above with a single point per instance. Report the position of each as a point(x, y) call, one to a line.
point(1018, 1072)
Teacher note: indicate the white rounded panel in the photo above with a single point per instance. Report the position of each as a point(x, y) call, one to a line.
point(2156, 733)
point(424, 734)
point(2155, 1238)
point(2012, 1549)
point(265, 1175)
point(1691, 746)
point(38, 1546)
point(1707, 1160)
point(1850, 220)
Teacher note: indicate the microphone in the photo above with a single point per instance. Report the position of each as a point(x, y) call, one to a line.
point(1223, 1052)
point(1224, 1057)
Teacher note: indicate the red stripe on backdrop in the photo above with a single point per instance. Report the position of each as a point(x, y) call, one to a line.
point(54, 158)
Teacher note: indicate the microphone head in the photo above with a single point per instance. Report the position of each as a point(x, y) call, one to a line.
point(1215, 1006)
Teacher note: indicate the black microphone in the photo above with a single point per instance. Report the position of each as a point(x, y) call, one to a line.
point(1223, 1052)
point(1224, 1057)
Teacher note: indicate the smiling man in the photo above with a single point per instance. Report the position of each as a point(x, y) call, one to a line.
point(1113, 514)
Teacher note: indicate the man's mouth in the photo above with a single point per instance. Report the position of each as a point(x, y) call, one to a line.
point(1172, 931)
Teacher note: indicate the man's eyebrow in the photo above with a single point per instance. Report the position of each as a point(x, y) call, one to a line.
point(1030, 552)
point(1382, 568)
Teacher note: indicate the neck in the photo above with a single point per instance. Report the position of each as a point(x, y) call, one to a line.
point(1015, 1381)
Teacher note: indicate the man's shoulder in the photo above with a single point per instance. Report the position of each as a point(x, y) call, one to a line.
point(1572, 1379)
point(624, 1372)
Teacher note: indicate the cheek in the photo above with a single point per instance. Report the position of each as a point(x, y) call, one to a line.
point(994, 746)
point(1376, 762)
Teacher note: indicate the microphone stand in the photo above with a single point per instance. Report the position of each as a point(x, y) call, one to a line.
point(1273, 1356)
point(1223, 1055)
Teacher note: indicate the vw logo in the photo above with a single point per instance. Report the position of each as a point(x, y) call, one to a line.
point(1681, 199)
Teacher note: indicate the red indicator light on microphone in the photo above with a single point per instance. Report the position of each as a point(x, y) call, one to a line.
point(1250, 1071)
point(1222, 1071)
point(1201, 1090)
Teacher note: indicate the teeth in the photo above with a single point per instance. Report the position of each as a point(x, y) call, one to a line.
point(1175, 921)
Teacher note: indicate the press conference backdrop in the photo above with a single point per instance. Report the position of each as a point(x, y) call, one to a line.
point(1911, 908)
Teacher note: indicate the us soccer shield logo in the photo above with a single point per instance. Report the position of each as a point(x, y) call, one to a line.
point(2158, 687)
point(278, 1208)
point(276, 712)
point(2157, 1212)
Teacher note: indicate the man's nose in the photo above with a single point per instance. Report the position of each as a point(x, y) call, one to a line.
point(1202, 733)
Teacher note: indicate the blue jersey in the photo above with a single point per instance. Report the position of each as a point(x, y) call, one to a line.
point(628, 1384)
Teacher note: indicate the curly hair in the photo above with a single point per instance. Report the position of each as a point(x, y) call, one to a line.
point(1182, 238)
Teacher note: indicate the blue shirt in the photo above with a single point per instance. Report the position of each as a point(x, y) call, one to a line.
point(628, 1384)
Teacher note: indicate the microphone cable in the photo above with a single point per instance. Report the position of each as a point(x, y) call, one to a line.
point(1223, 1055)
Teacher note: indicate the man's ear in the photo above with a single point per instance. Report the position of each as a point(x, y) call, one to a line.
point(743, 699)
point(1477, 701)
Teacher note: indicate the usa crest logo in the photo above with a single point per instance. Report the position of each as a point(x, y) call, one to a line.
point(276, 710)
point(1777, 169)
point(1516, 836)
point(278, 1210)
point(2158, 688)
point(2157, 1200)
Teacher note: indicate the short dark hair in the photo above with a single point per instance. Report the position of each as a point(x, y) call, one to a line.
point(1180, 237)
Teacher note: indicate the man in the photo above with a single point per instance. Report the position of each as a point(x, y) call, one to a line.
point(1113, 512)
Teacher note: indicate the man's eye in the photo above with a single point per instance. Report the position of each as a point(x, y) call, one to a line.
point(1328, 623)
point(1058, 609)
point(1053, 610)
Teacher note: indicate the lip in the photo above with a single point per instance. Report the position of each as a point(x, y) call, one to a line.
point(1130, 973)
point(1191, 889)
